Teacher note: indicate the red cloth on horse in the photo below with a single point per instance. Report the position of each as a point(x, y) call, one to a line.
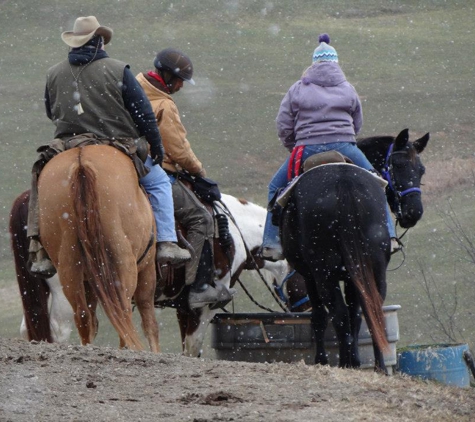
point(295, 168)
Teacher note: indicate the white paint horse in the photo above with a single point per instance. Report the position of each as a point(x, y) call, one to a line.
point(246, 231)
point(61, 318)
point(53, 321)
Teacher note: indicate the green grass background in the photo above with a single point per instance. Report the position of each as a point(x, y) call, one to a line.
point(411, 62)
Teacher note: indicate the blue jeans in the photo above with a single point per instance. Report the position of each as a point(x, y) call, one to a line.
point(271, 237)
point(159, 189)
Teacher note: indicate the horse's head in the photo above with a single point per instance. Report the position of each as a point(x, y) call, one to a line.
point(404, 171)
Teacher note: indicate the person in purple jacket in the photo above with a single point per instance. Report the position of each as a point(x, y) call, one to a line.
point(320, 112)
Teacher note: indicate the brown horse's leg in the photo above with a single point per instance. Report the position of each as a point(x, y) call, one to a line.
point(144, 298)
point(83, 319)
point(126, 269)
point(72, 279)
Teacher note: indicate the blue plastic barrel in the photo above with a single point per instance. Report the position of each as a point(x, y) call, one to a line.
point(439, 362)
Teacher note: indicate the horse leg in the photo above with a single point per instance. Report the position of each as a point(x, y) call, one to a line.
point(319, 323)
point(144, 299)
point(144, 295)
point(318, 319)
point(182, 317)
point(354, 309)
point(197, 325)
point(76, 295)
point(346, 341)
point(71, 275)
point(33, 290)
point(61, 314)
point(331, 295)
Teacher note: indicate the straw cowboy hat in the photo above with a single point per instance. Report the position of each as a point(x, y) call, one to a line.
point(84, 29)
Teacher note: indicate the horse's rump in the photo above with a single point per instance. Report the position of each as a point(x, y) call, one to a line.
point(336, 199)
point(104, 176)
point(96, 224)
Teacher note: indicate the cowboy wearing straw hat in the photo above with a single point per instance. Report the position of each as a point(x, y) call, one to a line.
point(83, 30)
point(89, 95)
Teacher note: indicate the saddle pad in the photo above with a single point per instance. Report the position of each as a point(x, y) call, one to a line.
point(283, 198)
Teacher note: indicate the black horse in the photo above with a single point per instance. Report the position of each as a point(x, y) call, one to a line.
point(334, 231)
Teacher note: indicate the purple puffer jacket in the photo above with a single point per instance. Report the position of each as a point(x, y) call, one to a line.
point(321, 108)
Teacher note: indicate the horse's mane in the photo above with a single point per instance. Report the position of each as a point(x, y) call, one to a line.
point(385, 140)
point(374, 141)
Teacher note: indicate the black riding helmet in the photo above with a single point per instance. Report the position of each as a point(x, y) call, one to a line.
point(176, 62)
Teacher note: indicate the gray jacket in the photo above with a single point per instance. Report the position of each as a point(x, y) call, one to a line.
point(321, 108)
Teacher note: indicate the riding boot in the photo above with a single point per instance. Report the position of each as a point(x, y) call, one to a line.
point(41, 265)
point(201, 292)
point(171, 252)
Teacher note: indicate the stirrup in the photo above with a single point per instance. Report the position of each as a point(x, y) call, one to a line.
point(39, 264)
point(43, 268)
point(171, 252)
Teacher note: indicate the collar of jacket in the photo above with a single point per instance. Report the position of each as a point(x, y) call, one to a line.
point(85, 54)
point(157, 81)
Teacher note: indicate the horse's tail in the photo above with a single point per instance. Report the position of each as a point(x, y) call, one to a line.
point(34, 290)
point(97, 256)
point(358, 262)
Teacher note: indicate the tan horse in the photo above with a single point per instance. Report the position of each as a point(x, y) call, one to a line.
point(98, 228)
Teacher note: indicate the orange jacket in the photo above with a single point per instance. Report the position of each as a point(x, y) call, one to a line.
point(178, 152)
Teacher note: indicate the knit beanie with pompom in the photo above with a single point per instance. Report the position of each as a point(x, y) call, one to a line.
point(324, 52)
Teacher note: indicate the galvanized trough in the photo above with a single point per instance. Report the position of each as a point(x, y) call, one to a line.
point(288, 337)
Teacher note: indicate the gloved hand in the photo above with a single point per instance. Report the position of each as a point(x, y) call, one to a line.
point(201, 173)
point(157, 154)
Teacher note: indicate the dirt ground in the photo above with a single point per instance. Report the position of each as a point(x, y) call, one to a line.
point(54, 382)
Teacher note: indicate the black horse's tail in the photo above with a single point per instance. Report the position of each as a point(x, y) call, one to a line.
point(357, 258)
point(34, 290)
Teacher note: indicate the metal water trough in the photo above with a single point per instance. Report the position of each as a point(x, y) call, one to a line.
point(282, 337)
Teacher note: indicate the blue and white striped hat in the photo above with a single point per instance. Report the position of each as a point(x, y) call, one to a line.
point(324, 52)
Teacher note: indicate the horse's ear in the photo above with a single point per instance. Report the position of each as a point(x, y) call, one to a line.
point(421, 143)
point(402, 139)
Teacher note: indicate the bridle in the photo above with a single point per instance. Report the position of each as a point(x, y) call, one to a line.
point(388, 175)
